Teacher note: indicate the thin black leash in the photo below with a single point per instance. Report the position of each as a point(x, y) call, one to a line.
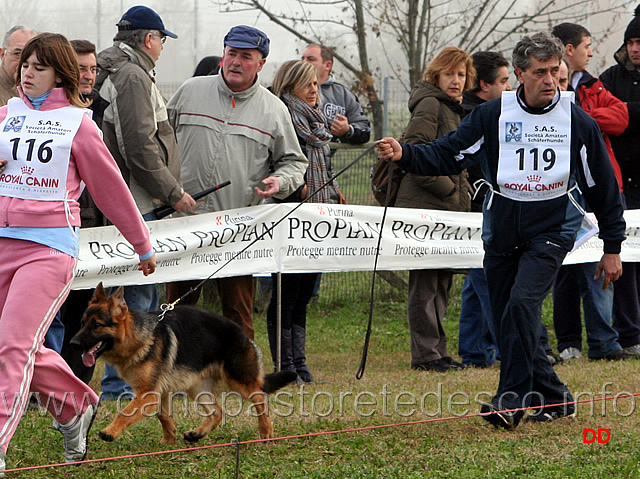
point(169, 306)
point(365, 348)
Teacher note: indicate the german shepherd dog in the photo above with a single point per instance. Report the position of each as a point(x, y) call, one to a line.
point(191, 350)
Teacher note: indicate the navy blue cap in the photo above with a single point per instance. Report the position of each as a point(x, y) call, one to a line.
point(243, 36)
point(143, 18)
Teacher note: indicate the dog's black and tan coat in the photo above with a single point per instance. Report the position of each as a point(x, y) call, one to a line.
point(191, 350)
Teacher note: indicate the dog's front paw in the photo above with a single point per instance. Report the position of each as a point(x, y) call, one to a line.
point(192, 436)
point(105, 436)
point(169, 438)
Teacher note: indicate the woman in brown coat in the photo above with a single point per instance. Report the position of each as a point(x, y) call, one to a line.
point(435, 110)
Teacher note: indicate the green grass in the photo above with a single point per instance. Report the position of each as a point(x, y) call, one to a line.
point(460, 447)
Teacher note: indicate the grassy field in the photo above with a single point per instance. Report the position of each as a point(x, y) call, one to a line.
point(389, 393)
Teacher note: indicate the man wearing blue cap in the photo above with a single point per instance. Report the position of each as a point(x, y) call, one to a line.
point(229, 127)
point(139, 136)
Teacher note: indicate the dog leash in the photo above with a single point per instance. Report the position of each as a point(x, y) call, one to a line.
point(165, 307)
point(365, 348)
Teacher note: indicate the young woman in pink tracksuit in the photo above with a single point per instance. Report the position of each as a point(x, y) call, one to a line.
point(50, 148)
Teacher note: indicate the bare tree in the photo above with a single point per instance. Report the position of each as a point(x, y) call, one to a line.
point(422, 27)
point(406, 34)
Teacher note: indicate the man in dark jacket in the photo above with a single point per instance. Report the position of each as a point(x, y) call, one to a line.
point(623, 80)
point(544, 158)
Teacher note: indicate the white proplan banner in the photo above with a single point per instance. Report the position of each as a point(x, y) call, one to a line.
point(314, 238)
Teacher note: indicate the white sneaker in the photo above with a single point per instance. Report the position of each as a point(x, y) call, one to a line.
point(2, 464)
point(76, 435)
point(574, 353)
point(632, 351)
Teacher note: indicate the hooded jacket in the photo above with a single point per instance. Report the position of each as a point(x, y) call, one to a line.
point(433, 114)
point(136, 127)
point(91, 163)
point(623, 81)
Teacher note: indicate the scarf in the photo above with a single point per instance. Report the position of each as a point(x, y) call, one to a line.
point(311, 127)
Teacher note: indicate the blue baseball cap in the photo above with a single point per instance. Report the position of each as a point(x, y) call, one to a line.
point(143, 18)
point(243, 36)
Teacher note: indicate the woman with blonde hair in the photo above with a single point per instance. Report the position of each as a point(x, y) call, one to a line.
point(435, 105)
point(296, 84)
point(48, 140)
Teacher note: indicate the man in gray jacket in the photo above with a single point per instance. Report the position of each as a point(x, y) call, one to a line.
point(341, 107)
point(229, 127)
point(139, 136)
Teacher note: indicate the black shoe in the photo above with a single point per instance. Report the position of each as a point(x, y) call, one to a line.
point(618, 355)
point(508, 420)
point(549, 414)
point(304, 374)
point(545, 417)
point(438, 365)
point(454, 364)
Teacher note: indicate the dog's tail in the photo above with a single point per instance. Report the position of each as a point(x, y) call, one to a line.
point(275, 381)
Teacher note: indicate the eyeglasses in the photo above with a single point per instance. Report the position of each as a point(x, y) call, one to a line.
point(163, 38)
point(15, 53)
point(93, 70)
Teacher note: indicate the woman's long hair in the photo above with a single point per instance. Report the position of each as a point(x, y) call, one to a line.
point(447, 60)
point(54, 50)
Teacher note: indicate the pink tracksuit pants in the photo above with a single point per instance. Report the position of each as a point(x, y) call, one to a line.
point(34, 282)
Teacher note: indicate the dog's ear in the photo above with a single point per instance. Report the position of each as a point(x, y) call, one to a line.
point(118, 296)
point(98, 294)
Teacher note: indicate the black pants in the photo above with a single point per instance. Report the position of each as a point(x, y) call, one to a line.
point(297, 289)
point(518, 283)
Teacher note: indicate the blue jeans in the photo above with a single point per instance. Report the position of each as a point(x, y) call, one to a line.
point(602, 338)
point(477, 341)
point(55, 335)
point(141, 298)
